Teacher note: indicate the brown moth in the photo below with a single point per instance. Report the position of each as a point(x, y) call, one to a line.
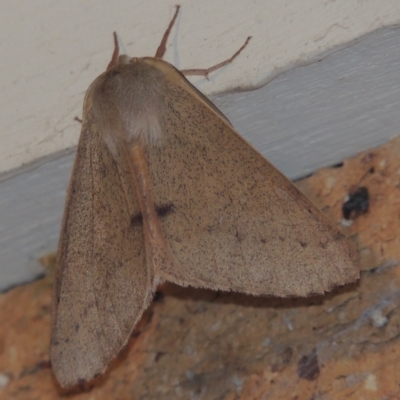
point(164, 188)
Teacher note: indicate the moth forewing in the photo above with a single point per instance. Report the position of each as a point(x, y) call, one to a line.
point(238, 223)
point(102, 281)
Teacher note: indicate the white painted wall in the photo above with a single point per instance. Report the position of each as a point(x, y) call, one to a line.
point(52, 50)
point(333, 89)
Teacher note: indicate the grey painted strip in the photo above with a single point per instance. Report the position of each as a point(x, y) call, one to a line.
point(308, 117)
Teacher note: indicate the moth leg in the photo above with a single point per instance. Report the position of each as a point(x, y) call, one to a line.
point(205, 72)
point(162, 47)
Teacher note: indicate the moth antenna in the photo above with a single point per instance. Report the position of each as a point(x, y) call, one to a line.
point(162, 47)
point(115, 54)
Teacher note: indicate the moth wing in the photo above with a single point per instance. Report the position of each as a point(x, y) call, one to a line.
point(237, 223)
point(102, 284)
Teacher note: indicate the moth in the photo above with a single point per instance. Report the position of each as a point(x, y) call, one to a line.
point(164, 189)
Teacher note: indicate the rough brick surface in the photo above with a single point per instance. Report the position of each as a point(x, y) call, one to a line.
point(197, 344)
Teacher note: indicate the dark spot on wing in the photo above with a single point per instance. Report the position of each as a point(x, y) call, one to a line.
point(136, 220)
point(162, 211)
point(303, 244)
